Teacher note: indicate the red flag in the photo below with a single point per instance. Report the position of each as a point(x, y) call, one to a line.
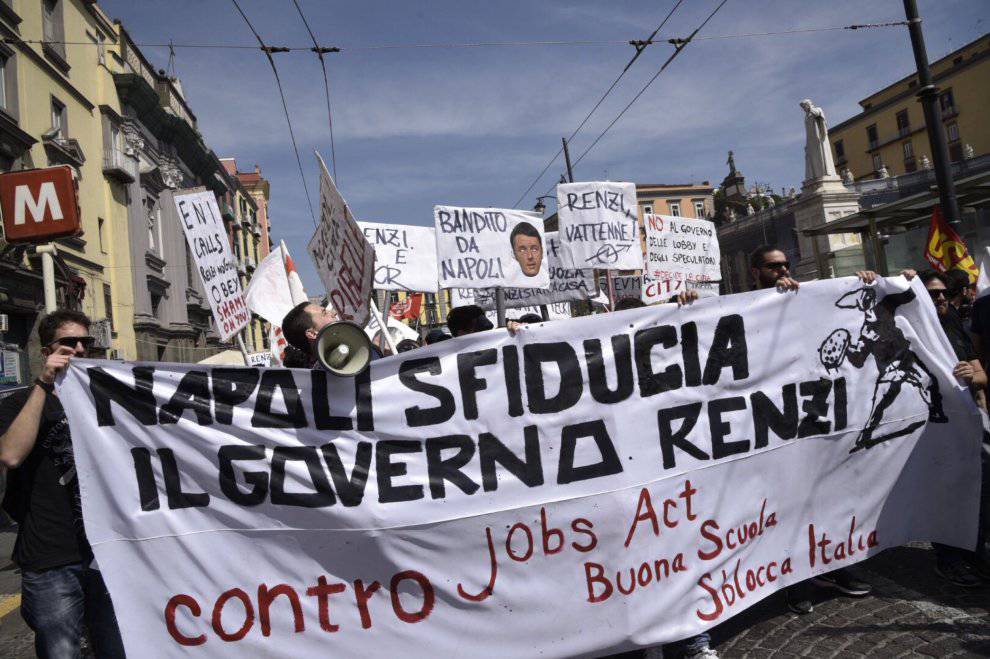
point(946, 250)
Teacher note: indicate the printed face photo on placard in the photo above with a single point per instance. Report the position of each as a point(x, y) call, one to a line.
point(489, 248)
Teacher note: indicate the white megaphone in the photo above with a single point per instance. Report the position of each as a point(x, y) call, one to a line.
point(343, 348)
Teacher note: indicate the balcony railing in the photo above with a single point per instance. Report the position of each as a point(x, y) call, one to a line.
point(903, 131)
point(173, 103)
point(118, 166)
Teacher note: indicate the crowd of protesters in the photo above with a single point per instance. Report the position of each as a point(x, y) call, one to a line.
point(63, 594)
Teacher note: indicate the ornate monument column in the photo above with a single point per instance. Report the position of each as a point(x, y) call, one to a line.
point(824, 198)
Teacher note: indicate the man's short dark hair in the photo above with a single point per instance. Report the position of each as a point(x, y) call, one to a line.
point(530, 318)
point(524, 229)
point(929, 275)
point(759, 254)
point(956, 280)
point(629, 303)
point(461, 320)
point(295, 324)
point(50, 323)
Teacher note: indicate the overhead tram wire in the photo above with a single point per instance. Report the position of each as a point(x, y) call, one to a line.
point(268, 50)
point(679, 46)
point(320, 51)
point(640, 47)
point(450, 46)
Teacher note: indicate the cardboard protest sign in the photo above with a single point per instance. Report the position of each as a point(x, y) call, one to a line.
point(605, 473)
point(202, 224)
point(344, 259)
point(599, 225)
point(681, 253)
point(624, 286)
point(405, 256)
point(489, 247)
point(566, 283)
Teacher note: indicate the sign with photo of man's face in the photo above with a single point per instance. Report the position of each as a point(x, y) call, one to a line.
point(489, 248)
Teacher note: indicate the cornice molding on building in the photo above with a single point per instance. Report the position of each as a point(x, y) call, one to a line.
point(952, 71)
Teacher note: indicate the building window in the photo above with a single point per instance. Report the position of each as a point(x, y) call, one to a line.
point(908, 149)
point(840, 150)
point(99, 230)
point(648, 209)
point(877, 162)
point(952, 131)
point(52, 29)
point(947, 102)
point(871, 135)
point(156, 304)
point(903, 123)
point(60, 123)
point(108, 304)
point(675, 208)
point(699, 209)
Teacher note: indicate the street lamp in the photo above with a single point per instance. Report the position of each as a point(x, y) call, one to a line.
point(540, 207)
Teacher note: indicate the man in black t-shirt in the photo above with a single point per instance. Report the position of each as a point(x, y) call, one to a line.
point(59, 586)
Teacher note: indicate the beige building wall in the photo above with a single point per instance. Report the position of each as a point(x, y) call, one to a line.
point(963, 79)
point(77, 76)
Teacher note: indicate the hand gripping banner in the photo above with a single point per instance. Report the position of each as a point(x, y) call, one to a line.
point(586, 486)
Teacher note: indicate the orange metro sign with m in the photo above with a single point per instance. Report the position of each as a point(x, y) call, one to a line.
point(39, 205)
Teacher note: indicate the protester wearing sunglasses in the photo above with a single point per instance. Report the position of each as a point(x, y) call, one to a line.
point(59, 586)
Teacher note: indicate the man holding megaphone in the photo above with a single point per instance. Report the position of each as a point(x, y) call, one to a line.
point(338, 346)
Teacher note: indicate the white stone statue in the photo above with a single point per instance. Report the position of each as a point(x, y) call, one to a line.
point(968, 151)
point(847, 177)
point(883, 172)
point(818, 162)
point(925, 162)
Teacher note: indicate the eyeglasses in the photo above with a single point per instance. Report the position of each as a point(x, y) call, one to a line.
point(73, 341)
point(936, 293)
point(778, 265)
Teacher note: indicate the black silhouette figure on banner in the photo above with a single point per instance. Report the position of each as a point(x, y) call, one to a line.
point(897, 363)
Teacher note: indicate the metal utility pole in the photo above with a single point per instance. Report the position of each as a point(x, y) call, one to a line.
point(928, 97)
point(567, 159)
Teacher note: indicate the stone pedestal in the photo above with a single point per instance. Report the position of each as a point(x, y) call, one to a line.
point(826, 200)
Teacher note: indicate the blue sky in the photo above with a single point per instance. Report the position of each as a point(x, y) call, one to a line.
point(473, 126)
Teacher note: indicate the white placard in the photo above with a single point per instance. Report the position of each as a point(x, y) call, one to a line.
point(259, 359)
point(405, 256)
point(566, 284)
point(202, 224)
point(599, 225)
point(681, 253)
point(608, 473)
point(624, 286)
point(344, 259)
point(490, 247)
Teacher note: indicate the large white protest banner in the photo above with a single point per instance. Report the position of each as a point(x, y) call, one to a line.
point(344, 259)
point(489, 247)
point(681, 253)
point(207, 239)
point(566, 283)
point(599, 225)
point(592, 484)
point(405, 256)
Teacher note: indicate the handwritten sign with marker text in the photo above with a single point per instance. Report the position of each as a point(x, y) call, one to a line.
point(490, 247)
point(405, 256)
point(200, 218)
point(599, 226)
point(681, 253)
point(344, 259)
